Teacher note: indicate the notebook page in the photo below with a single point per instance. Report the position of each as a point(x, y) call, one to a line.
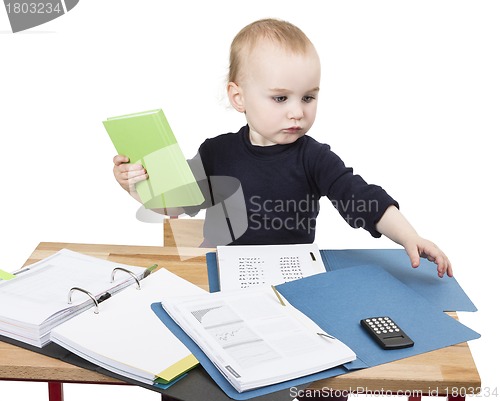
point(255, 340)
point(42, 289)
point(126, 335)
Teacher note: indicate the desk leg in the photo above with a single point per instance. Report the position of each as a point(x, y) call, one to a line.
point(56, 391)
point(415, 398)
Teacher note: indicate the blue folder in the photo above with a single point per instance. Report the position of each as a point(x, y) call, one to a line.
point(445, 292)
point(337, 301)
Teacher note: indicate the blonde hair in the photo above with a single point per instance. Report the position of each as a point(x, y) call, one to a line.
point(282, 33)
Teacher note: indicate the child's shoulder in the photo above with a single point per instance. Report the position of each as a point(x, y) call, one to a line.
point(314, 146)
point(319, 155)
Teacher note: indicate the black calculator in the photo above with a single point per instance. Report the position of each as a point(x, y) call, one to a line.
point(386, 333)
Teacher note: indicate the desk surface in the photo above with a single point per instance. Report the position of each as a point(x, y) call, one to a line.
point(442, 372)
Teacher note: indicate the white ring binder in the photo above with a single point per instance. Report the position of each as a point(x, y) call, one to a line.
point(96, 310)
point(126, 271)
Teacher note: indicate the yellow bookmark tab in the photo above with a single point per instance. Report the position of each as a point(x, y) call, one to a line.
point(6, 275)
point(178, 368)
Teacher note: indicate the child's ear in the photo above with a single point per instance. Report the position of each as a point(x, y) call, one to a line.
point(235, 95)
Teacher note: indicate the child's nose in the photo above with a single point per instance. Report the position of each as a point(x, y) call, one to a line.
point(295, 112)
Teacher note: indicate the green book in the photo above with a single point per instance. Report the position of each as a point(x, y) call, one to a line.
point(146, 138)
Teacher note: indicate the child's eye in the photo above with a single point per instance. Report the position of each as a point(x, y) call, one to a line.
point(308, 99)
point(280, 99)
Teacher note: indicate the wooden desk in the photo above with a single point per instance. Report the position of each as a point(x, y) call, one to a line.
point(445, 372)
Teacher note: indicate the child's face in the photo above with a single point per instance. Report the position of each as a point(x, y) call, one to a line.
point(279, 93)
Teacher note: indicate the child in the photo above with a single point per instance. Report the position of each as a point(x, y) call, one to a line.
point(274, 79)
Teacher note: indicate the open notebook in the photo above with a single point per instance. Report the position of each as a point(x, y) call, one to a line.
point(127, 338)
point(255, 338)
point(36, 298)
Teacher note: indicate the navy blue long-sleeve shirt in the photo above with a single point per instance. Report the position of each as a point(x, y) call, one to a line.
point(282, 185)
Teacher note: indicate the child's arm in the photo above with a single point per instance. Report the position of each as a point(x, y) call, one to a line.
point(395, 226)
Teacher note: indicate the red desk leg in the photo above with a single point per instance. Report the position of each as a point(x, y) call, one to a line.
point(56, 391)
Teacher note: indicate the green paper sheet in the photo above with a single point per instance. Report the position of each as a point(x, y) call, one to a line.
point(6, 275)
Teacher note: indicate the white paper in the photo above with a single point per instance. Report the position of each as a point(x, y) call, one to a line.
point(253, 339)
point(126, 336)
point(255, 265)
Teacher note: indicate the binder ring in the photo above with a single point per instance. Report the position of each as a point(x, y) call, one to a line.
point(126, 271)
point(96, 310)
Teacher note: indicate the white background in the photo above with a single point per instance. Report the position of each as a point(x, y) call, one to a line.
point(410, 97)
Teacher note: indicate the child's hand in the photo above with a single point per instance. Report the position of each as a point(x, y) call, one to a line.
point(420, 247)
point(128, 175)
point(394, 226)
